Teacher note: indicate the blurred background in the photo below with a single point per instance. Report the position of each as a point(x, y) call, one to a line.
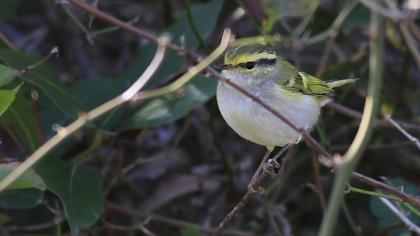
point(171, 165)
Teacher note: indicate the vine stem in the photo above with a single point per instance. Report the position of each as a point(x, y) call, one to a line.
point(349, 161)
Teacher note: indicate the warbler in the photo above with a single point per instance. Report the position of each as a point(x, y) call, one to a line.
point(297, 95)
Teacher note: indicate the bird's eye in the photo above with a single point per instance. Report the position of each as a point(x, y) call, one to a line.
point(249, 65)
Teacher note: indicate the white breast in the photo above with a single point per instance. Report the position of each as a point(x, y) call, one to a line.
point(255, 123)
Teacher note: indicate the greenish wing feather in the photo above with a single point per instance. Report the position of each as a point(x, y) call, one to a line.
point(308, 84)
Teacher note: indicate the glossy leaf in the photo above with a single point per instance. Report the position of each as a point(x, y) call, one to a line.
point(26, 192)
point(7, 74)
point(44, 78)
point(79, 189)
point(205, 19)
point(29, 180)
point(6, 99)
point(105, 89)
point(24, 126)
point(168, 108)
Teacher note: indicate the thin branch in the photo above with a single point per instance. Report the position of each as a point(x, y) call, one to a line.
point(379, 123)
point(413, 139)
point(411, 226)
point(65, 132)
point(174, 222)
point(353, 155)
point(411, 42)
point(6, 41)
point(387, 196)
point(101, 15)
point(415, 201)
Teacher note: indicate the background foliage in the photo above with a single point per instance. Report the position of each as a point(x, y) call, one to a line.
point(170, 165)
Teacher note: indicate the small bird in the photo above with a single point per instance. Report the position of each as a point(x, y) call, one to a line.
point(296, 95)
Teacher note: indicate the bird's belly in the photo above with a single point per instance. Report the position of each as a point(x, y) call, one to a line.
point(253, 122)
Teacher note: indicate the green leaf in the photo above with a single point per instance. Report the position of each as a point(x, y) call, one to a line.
point(79, 189)
point(104, 90)
point(7, 74)
point(171, 64)
point(6, 99)
point(23, 125)
point(168, 108)
point(45, 78)
point(21, 198)
point(205, 19)
point(28, 180)
point(26, 192)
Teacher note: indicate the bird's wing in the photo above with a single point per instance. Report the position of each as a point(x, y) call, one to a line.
point(303, 83)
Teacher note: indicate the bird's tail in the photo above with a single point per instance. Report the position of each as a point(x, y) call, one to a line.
point(338, 83)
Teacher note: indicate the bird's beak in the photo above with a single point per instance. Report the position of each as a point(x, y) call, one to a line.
point(223, 67)
point(226, 66)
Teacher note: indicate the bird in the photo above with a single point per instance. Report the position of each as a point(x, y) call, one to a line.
point(261, 71)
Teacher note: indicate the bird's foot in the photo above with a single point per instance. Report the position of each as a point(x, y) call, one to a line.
point(271, 168)
point(256, 189)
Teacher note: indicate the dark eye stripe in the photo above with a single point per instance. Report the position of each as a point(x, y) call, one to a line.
point(251, 64)
point(266, 61)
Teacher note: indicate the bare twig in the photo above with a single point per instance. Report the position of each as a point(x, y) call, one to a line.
point(413, 139)
point(242, 203)
point(411, 226)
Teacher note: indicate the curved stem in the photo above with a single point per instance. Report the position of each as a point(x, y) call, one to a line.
point(352, 157)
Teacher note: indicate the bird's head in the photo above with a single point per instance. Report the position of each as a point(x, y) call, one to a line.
point(253, 62)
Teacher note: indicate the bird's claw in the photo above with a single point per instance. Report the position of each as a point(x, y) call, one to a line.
point(271, 168)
